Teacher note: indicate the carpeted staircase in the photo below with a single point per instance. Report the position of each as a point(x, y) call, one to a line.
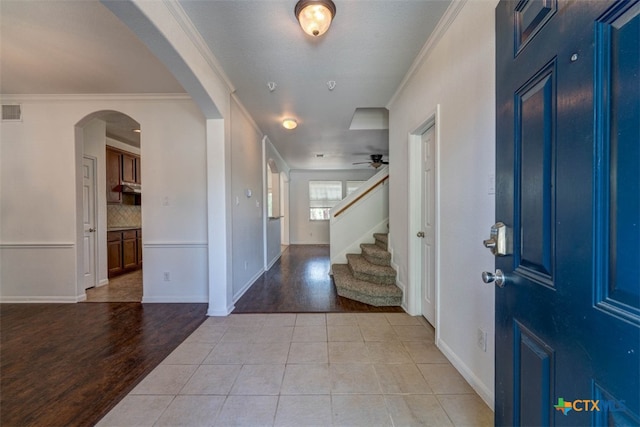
point(369, 277)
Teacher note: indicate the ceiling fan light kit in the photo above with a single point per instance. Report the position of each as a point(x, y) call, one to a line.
point(376, 161)
point(315, 16)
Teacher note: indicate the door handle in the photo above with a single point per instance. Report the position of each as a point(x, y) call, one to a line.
point(91, 230)
point(497, 278)
point(420, 234)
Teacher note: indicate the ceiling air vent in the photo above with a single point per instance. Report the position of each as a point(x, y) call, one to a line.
point(11, 113)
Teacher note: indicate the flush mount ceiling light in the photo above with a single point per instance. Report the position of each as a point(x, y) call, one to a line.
point(289, 124)
point(315, 16)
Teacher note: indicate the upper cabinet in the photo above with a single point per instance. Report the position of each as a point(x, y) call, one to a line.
point(121, 167)
point(114, 174)
point(128, 168)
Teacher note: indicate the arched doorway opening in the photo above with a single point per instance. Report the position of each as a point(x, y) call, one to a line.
point(109, 225)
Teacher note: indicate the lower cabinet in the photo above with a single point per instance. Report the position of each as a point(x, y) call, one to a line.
point(124, 249)
point(114, 253)
point(129, 249)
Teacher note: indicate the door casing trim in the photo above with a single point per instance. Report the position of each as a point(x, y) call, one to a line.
point(414, 287)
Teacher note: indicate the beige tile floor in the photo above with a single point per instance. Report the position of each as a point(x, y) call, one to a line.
point(340, 369)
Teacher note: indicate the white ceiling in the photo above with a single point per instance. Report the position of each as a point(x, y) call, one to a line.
point(368, 50)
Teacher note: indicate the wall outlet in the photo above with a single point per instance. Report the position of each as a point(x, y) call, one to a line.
point(167, 276)
point(481, 340)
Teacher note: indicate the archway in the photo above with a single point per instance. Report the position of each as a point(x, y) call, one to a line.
point(107, 146)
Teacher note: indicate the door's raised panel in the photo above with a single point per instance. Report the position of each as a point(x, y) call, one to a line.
point(612, 411)
point(535, 146)
point(531, 15)
point(86, 206)
point(618, 204)
point(533, 377)
point(113, 175)
point(87, 255)
point(128, 168)
point(114, 256)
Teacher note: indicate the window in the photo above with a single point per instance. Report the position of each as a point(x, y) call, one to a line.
point(353, 186)
point(323, 195)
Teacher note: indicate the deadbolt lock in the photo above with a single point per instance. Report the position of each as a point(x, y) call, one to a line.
point(500, 240)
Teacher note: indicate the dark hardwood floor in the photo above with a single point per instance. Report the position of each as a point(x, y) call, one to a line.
point(299, 282)
point(69, 364)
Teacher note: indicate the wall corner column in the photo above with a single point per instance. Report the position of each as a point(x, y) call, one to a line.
point(218, 220)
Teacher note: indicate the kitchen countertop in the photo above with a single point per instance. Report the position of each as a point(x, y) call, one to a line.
point(133, 227)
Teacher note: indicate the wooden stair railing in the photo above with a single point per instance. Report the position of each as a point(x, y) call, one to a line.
point(353, 202)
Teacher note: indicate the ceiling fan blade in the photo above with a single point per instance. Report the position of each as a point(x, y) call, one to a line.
point(384, 163)
point(360, 163)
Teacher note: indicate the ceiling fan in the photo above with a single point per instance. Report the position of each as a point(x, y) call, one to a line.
point(376, 161)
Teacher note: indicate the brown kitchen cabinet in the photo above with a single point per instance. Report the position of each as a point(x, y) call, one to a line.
point(128, 167)
point(129, 250)
point(114, 253)
point(139, 247)
point(121, 167)
point(114, 175)
point(124, 250)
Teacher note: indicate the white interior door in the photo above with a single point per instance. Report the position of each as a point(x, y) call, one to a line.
point(89, 220)
point(428, 225)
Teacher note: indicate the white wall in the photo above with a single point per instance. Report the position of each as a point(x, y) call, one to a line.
point(458, 74)
point(247, 256)
point(39, 194)
point(303, 231)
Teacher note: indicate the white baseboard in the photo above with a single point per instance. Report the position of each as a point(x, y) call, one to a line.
point(310, 243)
point(176, 299)
point(224, 313)
point(43, 299)
point(246, 286)
point(483, 391)
point(273, 261)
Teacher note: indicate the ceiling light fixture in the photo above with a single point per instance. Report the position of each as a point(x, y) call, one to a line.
point(137, 130)
point(315, 16)
point(289, 124)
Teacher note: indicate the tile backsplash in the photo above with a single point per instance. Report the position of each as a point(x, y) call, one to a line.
point(123, 216)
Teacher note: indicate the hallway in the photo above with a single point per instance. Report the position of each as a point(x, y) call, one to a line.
point(300, 282)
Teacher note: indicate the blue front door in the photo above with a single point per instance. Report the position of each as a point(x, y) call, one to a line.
point(568, 188)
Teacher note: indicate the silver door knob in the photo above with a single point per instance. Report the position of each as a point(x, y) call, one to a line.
point(420, 234)
point(91, 230)
point(497, 278)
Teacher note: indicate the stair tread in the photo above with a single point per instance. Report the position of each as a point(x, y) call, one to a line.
point(344, 279)
point(360, 265)
point(375, 251)
point(383, 237)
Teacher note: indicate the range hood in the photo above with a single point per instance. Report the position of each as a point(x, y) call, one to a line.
point(129, 188)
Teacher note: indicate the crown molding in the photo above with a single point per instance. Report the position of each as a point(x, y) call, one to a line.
point(183, 20)
point(443, 25)
point(150, 97)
